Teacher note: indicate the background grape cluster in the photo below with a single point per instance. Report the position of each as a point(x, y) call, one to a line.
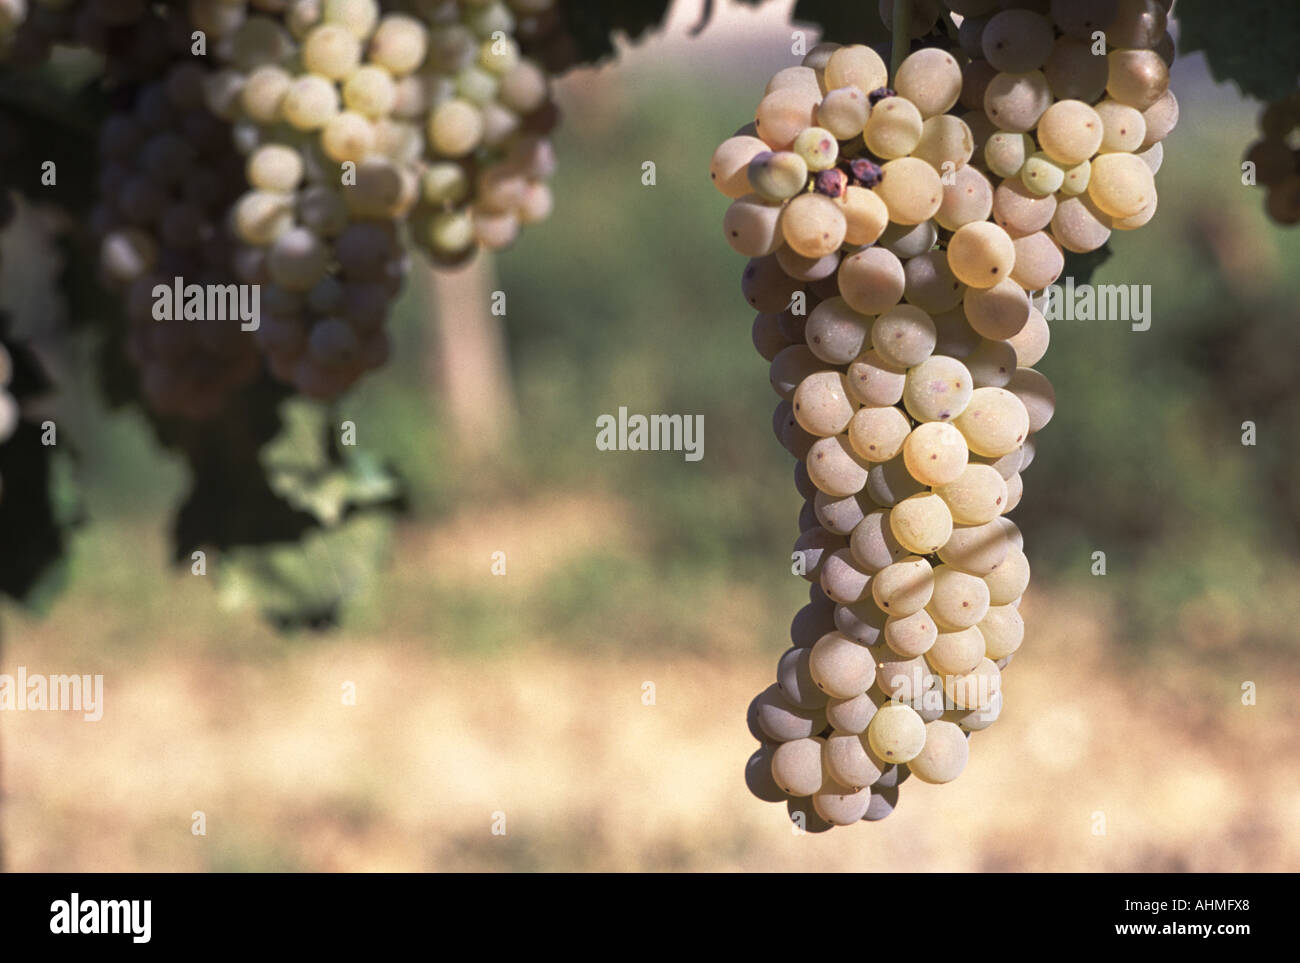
point(902, 231)
point(298, 146)
point(1276, 156)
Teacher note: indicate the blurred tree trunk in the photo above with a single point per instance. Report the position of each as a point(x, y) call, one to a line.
point(467, 362)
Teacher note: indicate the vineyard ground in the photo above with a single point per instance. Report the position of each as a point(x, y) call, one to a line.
point(208, 711)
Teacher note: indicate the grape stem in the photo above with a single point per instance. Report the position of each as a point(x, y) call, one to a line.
point(902, 36)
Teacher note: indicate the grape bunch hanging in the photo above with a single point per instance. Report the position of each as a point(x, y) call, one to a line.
point(1276, 159)
point(901, 234)
point(297, 146)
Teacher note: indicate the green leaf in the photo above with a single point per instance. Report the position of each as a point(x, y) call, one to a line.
point(1250, 42)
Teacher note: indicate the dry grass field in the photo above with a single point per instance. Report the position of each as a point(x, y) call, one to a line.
point(208, 711)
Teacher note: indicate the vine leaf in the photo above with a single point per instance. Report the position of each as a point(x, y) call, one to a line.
point(1252, 43)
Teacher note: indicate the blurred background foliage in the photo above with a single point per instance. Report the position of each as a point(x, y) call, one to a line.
point(628, 296)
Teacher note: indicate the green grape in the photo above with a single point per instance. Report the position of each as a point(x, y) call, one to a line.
point(1121, 184)
point(841, 806)
point(944, 754)
point(974, 690)
point(1041, 175)
point(821, 404)
point(991, 364)
point(856, 66)
point(890, 482)
point(930, 285)
point(946, 143)
point(310, 102)
point(1073, 72)
point(1005, 152)
point(1123, 129)
point(1031, 342)
point(931, 79)
point(1017, 41)
point(845, 755)
point(910, 188)
point(399, 44)
point(1070, 132)
point(752, 226)
point(797, 766)
point(1079, 226)
point(835, 332)
point(978, 495)
point(958, 603)
point(297, 259)
point(912, 635)
point(1003, 629)
point(799, 78)
point(274, 167)
point(370, 91)
point(1039, 261)
point(967, 197)
point(877, 434)
point(777, 175)
point(980, 255)
point(1036, 393)
point(260, 217)
point(861, 622)
point(331, 50)
point(907, 241)
point(782, 115)
point(904, 335)
point(1076, 180)
point(903, 587)
point(1015, 101)
point(524, 88)
point(896, 733)
point(835, 468)
point(729, 167)
point(451, 232)
point(444, 182)
point(790, 367)
point(873, 381)
point(937, 389)
point(813, 225)
point(841, 667)
point(921, 523)
point(455, 128)
point(766, 287)
point(976, 549)
point(873, 544)
point(817, 147)
point(1137, 78)
point(358, 16)
point(841, 515)
point(796, 681)
point(935, 452)
point(263, 94)
point(1019, 210)
point(871, 281)
point(477, 85)
point(994, 423)
point(347, 137)
point(893, 128)
point(842, 111)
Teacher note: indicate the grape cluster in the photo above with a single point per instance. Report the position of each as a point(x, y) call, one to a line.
point(356, 121)
point(1276, 156)
point(297, 148)
point(900, 234)
point(168, 174)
